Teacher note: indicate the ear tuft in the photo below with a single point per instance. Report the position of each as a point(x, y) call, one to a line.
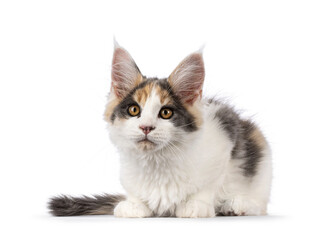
point(187, 79)
point(125, 73)
point(115, 43)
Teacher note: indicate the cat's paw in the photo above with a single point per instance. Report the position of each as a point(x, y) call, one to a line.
point(128, 209)
point(239, 206)
point(195, 209)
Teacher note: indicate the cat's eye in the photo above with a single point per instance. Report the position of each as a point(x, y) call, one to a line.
point(166, 113)
point(134, 110)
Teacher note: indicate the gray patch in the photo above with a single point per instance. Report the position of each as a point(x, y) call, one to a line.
point(247, 149)
point(181, 117)
point(240, 133)
point(252, 150)
point(229, 121)
point(75, 206)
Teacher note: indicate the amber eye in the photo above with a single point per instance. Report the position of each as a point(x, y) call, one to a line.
point(166, 113)
point(134, 110)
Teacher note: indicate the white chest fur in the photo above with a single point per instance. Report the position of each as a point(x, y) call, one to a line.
point(164, 179)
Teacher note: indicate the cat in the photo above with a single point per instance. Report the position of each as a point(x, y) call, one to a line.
point(181, 155)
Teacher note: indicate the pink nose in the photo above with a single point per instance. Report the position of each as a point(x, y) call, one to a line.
point(146, 129)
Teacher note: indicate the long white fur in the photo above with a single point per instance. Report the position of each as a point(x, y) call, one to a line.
point(190, 174)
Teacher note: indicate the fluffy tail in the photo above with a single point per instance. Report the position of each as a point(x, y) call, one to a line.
point(76, 206)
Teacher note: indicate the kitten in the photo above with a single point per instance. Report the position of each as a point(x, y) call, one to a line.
point(181, 155)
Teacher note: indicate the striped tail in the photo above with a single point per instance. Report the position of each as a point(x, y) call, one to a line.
point(76, 206)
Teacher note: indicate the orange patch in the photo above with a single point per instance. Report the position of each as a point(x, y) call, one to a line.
point(110, 107)
point(194, 110)
point(163, 95)
point(142, 94)
point(258, 138)
point(138, 80)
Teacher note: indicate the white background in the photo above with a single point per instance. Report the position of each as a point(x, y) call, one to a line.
point(55, 58)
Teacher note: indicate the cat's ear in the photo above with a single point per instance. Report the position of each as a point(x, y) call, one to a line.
point(125, 73)
point(187, 79)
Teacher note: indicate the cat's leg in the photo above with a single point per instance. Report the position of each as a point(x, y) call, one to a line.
point(132, 207)
point(199, 205)
point(246, 196)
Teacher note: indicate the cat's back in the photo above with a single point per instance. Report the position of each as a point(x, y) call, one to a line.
point(249, 146)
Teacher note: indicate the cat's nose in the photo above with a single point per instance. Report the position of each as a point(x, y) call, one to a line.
point(146, 129)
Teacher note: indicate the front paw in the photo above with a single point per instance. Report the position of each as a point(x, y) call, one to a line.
point(128, 209)
point(195, 209)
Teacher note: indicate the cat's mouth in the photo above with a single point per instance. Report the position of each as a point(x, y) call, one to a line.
point(146, 140)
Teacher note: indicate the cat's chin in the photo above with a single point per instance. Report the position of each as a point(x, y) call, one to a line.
point(146, 145)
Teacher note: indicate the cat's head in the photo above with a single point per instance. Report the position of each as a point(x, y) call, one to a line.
point(150, 114)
